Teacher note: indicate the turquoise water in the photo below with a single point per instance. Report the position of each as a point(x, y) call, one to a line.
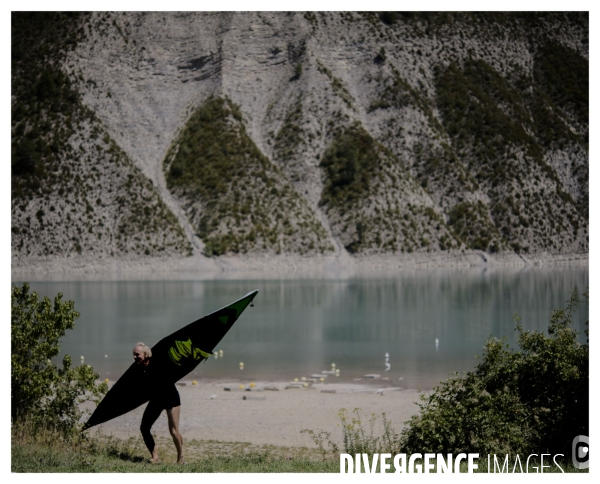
point(300, 327)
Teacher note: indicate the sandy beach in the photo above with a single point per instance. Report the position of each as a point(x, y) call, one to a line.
point(270, 413)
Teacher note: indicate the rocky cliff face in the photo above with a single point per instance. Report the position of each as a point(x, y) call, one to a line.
point(303, 133)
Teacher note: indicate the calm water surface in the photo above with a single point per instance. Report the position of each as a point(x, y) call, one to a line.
point(301, 327)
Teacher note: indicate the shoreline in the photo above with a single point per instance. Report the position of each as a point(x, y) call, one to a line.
point(342, 266)
point(270, 413)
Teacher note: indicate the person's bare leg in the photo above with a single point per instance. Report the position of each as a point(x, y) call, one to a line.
point(151, 413)
point(173, 416)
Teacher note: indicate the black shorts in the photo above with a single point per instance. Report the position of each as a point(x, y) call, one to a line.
point(166, 398)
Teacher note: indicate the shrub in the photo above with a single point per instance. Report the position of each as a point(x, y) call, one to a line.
point(298, 70)
point(348, 164)
point(356, 439)
point(41, 393)
point(527, 401)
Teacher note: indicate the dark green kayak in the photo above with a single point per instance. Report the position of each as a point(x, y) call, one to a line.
point(173, 357)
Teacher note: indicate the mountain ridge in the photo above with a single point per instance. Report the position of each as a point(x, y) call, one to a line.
point(379, 133)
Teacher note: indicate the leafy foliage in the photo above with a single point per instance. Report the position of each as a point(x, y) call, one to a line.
point(514, 401)
point(42, 393)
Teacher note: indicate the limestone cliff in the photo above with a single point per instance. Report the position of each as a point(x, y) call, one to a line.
point(142, 134)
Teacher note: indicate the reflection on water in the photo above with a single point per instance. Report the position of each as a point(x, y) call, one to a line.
point(300, 327)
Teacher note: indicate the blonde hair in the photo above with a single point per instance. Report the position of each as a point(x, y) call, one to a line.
point(147, 351)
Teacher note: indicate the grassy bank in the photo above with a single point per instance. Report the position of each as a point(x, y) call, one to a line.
point(49, 453)
point(46, 452)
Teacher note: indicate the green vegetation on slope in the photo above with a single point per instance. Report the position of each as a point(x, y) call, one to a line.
point(236, 198)
point(470, 101)
point(515, 134)
point(74, 191)
point(290, 137)
point(564, 75)
point(521, 26)
point(45, 103)
point(471, 223)
point(491, 128)
point(350, 165)
point(398, 93)
point(496, 136)
point(373, 203)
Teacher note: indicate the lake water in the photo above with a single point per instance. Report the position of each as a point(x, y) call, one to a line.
point(300, 327)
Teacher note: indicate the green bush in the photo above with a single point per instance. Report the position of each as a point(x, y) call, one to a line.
point(348, 164)
point(297, 71)
point(526, 401)
point(41, 393)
